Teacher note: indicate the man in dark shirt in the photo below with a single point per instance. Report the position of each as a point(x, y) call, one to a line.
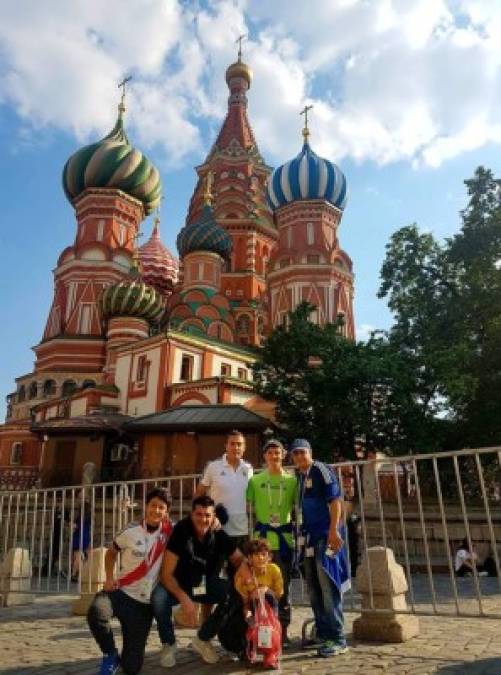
point(191, 572)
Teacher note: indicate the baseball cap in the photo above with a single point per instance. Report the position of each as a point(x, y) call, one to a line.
point(273, 443)
point(300, 444)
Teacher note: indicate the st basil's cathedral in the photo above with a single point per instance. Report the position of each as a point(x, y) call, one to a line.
point(146, 360)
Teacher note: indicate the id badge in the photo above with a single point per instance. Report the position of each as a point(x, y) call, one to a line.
point(310, 552)
point(264, 636)
point(201, 589)
point(275, 520)
point(308, 483)
point(145, 588)
point(301, 540)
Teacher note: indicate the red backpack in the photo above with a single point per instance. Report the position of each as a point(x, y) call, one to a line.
point(264, 636)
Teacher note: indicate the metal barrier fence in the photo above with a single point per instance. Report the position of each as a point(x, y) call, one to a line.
point(420, 506)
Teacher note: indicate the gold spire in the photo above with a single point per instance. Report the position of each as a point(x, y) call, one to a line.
point(306, 131)
point(121, 105)
point(208, 197)
point(239, 68)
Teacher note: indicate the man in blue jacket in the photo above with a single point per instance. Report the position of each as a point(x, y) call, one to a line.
point(321, 540)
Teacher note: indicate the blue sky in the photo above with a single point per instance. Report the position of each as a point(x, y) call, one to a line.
point(407, 99)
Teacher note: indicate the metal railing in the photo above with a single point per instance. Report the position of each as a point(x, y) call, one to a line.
point(420, 506)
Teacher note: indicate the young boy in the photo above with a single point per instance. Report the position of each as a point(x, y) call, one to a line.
point(265, 580)
point(141, 547)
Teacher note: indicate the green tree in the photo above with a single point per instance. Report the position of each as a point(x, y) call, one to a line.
point(333, 390)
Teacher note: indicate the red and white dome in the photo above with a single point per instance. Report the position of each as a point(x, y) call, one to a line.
point(159, 268)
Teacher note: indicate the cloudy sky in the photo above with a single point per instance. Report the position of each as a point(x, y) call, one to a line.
point(406, 96)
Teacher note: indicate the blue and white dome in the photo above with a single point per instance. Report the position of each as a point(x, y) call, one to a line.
point(307, 176)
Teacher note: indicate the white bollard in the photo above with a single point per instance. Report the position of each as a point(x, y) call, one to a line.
point(93, 578)
point(15, 578)
point(389, 585)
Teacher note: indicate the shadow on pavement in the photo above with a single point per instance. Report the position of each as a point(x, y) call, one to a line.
point(482, 667)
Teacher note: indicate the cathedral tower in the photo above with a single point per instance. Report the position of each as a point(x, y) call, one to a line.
point(240, 207)
point(308, 195)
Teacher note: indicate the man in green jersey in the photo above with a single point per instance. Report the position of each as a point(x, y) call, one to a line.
point(273, 493)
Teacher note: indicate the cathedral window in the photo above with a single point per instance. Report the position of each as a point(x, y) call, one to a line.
point(141, 369)
point(242, 374)
point(49, 387)
point(226, 370)
point(16, 453)
point(33, 390)
point(186, 372)
point(21, 396)
point(69, 386)
point(289, 237)
point(121, 235)
point(313, 259)
point(243, 324)
point(310, 234)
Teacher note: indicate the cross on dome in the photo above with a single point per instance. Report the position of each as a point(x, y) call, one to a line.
point(121, 105)
point(306, 131)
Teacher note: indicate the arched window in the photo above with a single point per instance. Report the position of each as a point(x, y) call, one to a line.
point(243, 324)
point(49, 388)
point(69, 387)
point(33, 390)
point(21, 395)
point(87, 384)
point(16, 453)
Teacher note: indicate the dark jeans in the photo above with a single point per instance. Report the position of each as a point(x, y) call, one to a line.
point(135, 619)
point(163, 601)
point(284, 606)
point(325, 598)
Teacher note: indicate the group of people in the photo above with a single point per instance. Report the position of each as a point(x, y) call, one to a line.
point(211, 558)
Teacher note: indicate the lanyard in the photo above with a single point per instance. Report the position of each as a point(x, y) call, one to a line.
point(270, 500)
point(306, 477)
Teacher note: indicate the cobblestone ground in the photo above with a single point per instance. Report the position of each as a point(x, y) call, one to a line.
point(44, 638)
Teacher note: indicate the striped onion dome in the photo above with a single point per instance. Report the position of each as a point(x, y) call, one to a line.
point(112, 162)
point(307, 176)
point(131, 297)
point(204, 235)
point(159, 267)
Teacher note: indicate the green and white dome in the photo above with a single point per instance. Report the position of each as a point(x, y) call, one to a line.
point(132, 297)
point(112, 162)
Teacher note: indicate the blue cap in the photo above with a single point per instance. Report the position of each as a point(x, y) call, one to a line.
point(300, 443)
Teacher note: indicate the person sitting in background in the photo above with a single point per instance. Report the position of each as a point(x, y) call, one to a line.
point(465, 560)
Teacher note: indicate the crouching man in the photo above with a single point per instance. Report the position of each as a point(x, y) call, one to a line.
point(191, 573)
point(128, 596)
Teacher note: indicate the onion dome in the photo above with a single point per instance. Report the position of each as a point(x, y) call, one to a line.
point(205, 234)
point(239, 69)
point(112, 162)
point(307, 176)
point(159, 267)
point(132, 297)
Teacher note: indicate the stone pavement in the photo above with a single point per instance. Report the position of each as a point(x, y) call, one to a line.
point(44, 638)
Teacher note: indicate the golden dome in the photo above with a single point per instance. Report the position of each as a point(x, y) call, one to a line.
point(239, 69)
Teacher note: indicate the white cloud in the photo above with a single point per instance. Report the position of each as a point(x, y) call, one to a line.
point(390, 80)
point(363, 332)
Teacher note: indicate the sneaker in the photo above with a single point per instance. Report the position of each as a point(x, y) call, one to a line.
point(286, 641)
point(109, 664)
point(331, 648)
point(168, 656)
point(205, 649)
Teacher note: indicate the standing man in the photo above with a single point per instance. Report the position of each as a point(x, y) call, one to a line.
point(191, 573)
point(225, 481)
point(272, 493)
point(321, 537)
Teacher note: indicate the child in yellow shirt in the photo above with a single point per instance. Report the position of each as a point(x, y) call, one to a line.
point(266, 576)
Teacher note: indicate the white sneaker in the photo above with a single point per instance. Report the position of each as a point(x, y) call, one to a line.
point(168, 656)
point(205, 649)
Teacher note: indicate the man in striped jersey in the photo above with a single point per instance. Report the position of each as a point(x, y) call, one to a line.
point(127, 595)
